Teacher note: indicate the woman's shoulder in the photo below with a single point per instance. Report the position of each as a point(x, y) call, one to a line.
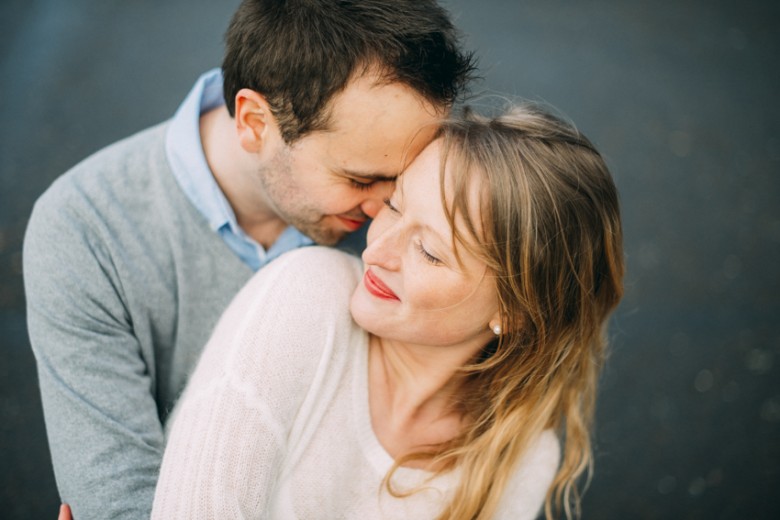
point(524, 496)
point(289, 300)
point(288, 323)
point(319, 260)
point(547, 449)
point(311, 270)
point(540, 462)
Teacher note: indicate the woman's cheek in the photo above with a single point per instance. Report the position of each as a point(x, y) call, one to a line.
point(436, 291)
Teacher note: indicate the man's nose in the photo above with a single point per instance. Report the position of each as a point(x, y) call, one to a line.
point(373, 203)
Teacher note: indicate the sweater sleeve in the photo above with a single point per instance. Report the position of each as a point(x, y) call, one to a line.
point(271, 354)
point(104, 433)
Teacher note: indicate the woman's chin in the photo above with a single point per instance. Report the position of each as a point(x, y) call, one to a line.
point(366, 311)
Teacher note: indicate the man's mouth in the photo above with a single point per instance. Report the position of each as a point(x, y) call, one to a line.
point(352, 224)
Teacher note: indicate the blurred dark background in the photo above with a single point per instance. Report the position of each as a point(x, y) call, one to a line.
point(680, 96)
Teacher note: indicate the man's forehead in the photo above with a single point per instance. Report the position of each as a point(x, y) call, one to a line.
point(371, 102)
point(375, 129)
point(373, 155)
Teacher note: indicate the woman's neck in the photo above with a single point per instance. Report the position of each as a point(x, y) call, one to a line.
point(412, 392)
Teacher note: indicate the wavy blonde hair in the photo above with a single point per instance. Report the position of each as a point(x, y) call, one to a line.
point(550, 232)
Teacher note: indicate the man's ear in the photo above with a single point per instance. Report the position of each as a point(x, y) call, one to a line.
point(255, 123)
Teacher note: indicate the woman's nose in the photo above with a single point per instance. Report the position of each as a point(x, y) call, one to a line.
point(383, 242)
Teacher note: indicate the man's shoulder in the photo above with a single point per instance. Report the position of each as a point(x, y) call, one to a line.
point(134, 143)
point(118, 176)
point(129, 161)
point(135, 147)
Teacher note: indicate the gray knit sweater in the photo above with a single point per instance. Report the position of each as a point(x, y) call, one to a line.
point(124, 282)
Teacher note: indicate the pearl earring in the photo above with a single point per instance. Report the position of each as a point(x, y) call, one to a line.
point(496, 329)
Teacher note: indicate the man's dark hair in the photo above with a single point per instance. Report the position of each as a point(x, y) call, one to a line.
point(299, 53)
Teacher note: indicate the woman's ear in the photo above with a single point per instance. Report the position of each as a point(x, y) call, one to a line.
point(255, 123)
point(497, 325)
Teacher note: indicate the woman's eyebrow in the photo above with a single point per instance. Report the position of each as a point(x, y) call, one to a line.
point(444, 238)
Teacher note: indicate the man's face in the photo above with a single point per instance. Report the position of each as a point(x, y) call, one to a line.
point(328, 183)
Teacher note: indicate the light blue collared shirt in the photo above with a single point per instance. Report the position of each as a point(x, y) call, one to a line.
point(185, 154)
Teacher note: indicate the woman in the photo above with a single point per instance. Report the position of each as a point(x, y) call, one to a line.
point(444, 385)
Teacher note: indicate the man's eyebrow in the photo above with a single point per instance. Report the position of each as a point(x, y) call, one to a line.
point(371, 176)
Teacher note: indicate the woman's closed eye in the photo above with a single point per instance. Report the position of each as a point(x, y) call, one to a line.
point(428, 257)
point(389, 204)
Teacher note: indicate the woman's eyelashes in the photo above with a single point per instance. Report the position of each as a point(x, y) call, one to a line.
point(428, 257)
point(389, 204)
point(417, 243)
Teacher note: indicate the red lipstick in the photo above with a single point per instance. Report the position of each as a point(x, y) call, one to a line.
point(377, 287)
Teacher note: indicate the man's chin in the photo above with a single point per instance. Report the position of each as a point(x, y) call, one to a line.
point(324, 236)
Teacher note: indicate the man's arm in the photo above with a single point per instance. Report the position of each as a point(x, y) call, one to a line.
point(101, 417)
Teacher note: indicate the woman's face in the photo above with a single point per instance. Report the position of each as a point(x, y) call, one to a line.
point(414, 289)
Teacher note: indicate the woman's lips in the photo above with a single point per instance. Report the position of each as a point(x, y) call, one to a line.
point(376, 287)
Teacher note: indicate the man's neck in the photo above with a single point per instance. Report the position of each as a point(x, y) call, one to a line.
point(231, 166)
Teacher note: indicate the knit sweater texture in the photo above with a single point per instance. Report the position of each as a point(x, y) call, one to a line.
point(275, 422)
point(124, 283)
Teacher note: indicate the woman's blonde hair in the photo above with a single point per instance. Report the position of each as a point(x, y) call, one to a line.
point(550, 232)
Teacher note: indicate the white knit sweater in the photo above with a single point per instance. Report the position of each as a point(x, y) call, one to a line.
point(275, 420)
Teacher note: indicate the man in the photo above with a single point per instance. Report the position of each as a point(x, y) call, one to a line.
point(132, 255)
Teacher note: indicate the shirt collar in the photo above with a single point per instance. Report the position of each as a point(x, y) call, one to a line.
point(185, 152)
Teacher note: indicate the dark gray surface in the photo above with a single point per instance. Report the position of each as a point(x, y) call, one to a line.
point(680, 96)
